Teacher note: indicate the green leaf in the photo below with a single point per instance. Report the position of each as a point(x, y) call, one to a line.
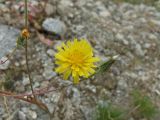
point(109, 112)
point(21, 42)
point(106, 65)
point(146, 107)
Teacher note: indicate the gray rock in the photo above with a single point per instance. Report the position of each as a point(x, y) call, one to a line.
point(5, 65)
point(8, 37)
point(49, 73)
point(36, 85)
point(138, 50)
point(92, 88)
point(44, 83)
point(65, 7)
point(76, 97)
point(54, 26)
point(25, 81)
point(55, 97)
point(50, 9)
point(87, 112)
point(122, 84)
point(51, 107)
point(21, 115)
point(50, 52)
point(25, 109)
point(1, 110)
point(32, 114)
point(104, 13)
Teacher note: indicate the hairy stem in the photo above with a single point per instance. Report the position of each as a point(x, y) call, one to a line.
point(26, 13)
point(26, 48)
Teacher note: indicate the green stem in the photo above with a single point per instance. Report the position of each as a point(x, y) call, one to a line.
point(40, 104)
point(26, 13)
point(26, 48)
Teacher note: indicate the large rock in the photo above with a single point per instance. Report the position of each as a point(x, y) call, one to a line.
point(54, 26)
point(8, 36)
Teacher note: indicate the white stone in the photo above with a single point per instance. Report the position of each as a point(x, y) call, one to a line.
point(21, 115)
point(25, 81)
point(55, 26)
point(33, 114)
point(104, 13)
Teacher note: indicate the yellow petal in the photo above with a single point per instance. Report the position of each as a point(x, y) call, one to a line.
point(94, 59)
point(92, 71)
point(80, 72)
point(73, 67)
point(85, 72)
point(60, 57)
point(76, 79)
point(66, 74)
point(62, 68)
point(74, 73)
point(76, 69)
point(59, 48)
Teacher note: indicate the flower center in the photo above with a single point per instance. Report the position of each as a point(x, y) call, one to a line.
point(76, 57)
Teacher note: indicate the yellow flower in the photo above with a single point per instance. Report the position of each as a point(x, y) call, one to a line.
point(75, 58)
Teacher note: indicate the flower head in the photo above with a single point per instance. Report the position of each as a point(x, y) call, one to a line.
point(25, 33)
point(75, 58)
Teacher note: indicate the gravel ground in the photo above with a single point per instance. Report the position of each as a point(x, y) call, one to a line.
point(132, 31)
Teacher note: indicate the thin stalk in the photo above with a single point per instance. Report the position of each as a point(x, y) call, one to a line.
point(26, 14)
point(26, 49)
point(35, 101)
